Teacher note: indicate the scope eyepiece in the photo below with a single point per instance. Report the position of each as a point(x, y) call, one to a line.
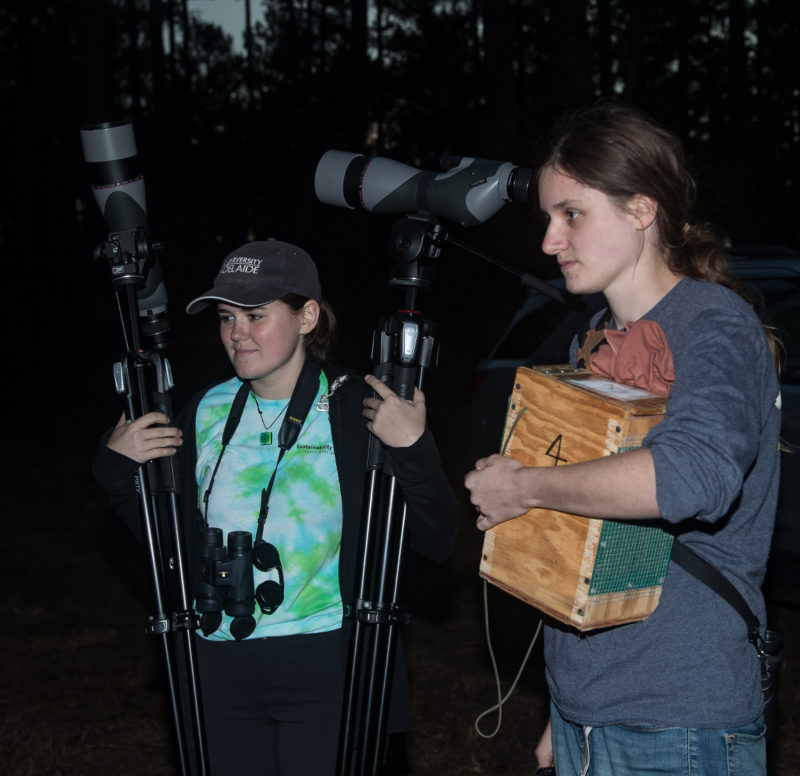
point(519, 184)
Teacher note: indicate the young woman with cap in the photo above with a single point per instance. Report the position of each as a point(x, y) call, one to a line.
point(679, 692)
point(272, 681)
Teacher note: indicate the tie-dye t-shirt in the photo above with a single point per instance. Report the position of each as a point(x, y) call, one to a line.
point(305, 508)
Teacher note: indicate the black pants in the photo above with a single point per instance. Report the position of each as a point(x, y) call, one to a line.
point(272, 707)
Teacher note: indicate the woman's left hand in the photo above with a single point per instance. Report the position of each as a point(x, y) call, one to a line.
point(397, 422)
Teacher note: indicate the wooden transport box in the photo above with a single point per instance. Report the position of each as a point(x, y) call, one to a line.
point(584, 572)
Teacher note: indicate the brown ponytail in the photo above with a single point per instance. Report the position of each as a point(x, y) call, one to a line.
point(320, 341)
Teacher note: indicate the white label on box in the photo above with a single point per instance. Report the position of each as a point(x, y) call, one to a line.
point(612, 389)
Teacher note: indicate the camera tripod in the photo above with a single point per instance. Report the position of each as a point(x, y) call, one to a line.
point(143, 378)
point(404, 350)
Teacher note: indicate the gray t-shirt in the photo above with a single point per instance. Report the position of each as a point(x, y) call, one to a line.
point(716, 458)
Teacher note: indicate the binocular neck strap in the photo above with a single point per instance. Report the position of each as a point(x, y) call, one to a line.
point(303, 395)
point(234, 416)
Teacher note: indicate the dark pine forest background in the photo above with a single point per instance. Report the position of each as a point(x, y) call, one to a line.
point(229, 138)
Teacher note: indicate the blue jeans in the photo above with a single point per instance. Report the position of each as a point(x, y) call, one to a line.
point(657, 750)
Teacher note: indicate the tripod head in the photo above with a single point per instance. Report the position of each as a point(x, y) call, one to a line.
point(417, 239)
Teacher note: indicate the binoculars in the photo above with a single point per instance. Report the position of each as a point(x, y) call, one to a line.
point(225, 581)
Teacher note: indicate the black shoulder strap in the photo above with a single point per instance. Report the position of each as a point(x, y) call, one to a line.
point(305, 391)
point(303, 395)
point(235, 415)
point(699, 567)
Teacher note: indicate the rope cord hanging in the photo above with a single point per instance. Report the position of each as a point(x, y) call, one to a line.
point(498, 707)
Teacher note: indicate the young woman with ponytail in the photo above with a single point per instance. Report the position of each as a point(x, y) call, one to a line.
point(678, 693)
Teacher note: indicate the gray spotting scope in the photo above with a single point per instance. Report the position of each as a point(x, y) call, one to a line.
point(116, 177)
point(469, 192)
point(109, 150)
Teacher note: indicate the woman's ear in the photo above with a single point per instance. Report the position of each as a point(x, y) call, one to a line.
point(309, 315)
point(643, 209)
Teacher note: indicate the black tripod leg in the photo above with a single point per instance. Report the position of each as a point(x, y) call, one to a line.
point(351, 705)
point(167, 621)
point(184, 620)
point(385, 639)
point(382, 636)
point(378, 613)
point(184, 631)
point(160, 622)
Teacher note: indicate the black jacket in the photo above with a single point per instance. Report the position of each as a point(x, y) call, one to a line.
point(432, 509)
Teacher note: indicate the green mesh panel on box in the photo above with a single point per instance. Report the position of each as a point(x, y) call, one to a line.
point(629, 557)
point(631, 442)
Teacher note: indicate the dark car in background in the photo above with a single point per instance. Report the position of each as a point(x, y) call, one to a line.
point(774, 274)
point(540, 332)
